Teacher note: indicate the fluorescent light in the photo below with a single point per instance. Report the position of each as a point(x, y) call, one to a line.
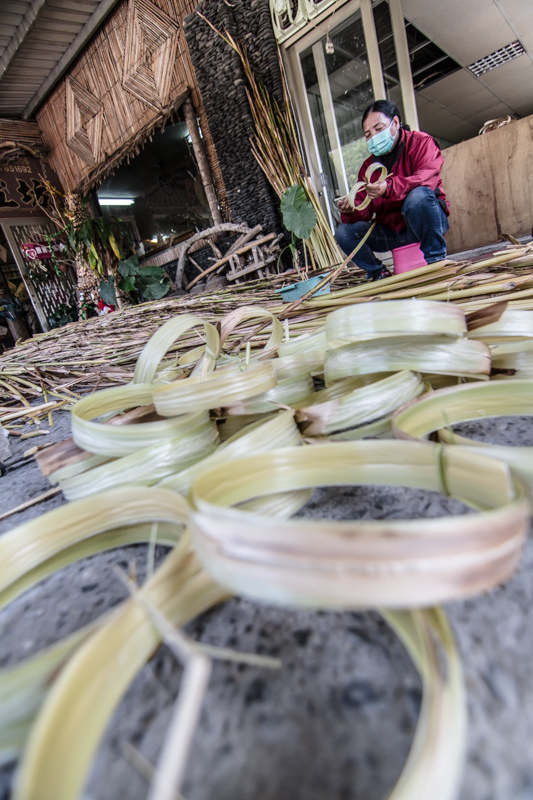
point(116, 201)
point(498, 57)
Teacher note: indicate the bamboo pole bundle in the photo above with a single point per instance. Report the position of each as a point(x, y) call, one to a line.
point(278, 153)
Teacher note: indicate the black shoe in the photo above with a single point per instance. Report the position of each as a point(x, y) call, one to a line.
point(379, 274)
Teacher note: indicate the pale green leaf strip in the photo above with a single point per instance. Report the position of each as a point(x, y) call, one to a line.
point(259, 437)
point(438, 411)
point(77, 468)
point(33, 543)
point(147, 466)
point(435, 763)
point(23, 688)
point(499, 351)
point(516, 359)
point(287, 392)
point(313, 346)
point(380, 429)
point(221, 388)
point(346, 403)
point(120, 440)
point(167, 534)
point(461, 403)
point(72, 721)
point(420, 354)
point(234, 318)
point(164, 338)
point(398, 317)
point(513, 324)
point(394, 563)
point(297, 364)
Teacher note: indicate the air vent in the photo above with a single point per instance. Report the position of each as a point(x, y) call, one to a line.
point(501, 56)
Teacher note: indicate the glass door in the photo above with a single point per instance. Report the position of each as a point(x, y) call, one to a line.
point(338, 85)
point(334, 70)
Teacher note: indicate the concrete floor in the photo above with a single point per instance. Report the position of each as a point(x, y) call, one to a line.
point(336, 721)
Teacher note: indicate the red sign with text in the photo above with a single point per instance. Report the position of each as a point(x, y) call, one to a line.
point(34, 251)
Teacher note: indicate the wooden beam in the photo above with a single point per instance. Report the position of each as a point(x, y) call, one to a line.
point(201, 160)
point(24, 27)
point(372, 49)
point(404, 64)
point(90, 27)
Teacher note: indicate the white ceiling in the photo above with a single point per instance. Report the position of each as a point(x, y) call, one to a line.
point(455, 107)
point(38, 40)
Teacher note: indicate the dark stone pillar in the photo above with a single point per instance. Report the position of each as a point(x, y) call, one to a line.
point(222, 83)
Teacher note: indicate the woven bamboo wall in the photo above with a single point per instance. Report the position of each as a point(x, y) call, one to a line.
point(19, 138)
point(21, 131)
point(129, 80)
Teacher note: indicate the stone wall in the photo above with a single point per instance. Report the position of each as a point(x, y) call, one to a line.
point(222, 83)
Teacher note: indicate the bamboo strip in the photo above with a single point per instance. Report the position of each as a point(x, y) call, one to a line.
point(102, 352)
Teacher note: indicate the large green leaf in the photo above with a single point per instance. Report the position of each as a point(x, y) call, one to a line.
point(127, 284)
point(299, 216)
point(300, 221)
point(154, 291)
point(128, 267)
point(295, 197)
point(152, 272)
point(107, 291)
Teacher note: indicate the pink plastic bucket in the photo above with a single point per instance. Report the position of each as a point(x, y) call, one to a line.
point(408, 257)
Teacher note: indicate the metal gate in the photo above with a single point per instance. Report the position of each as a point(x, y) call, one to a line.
point(48, 294)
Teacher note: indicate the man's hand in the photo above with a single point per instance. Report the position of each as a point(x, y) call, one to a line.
point(378, 189)
point(344, 205)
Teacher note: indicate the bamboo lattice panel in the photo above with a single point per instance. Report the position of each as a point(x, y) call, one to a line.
point(51, 292)
point(135, 72)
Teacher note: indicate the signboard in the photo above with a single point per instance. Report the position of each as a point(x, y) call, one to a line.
point(33, 251)
point(23, 191)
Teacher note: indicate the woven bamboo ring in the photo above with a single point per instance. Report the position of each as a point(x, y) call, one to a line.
point(354, 564)
point(437, 411)
point(121, 440)
point(164, 338)
point(371, 169)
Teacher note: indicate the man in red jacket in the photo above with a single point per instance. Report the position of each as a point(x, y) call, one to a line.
point(409, 205)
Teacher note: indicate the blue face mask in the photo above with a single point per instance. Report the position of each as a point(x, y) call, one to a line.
point(381, 143)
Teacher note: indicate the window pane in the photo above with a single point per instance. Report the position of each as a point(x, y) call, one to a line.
point(428, 62)
point(339, 88)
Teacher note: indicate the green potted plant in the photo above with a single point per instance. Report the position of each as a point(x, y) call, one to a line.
point(140, 283)
point(299, 217)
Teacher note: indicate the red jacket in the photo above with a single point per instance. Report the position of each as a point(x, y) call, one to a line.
point(419, 164)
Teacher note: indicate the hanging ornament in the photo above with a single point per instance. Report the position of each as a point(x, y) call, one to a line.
point(329, 47)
